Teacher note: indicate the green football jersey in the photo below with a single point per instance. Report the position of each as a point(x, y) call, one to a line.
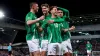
point(88, 46)
point(54, 30)
point(44, 33)
point(75, 52)
point(65, 35)
point(31, 29)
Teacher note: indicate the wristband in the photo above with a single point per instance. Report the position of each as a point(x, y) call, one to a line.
point(68, 29)
point(38, 19)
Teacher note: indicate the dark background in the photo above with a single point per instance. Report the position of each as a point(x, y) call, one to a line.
point(18, 8)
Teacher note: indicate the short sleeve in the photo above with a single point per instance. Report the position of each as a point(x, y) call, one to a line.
point(29, 16)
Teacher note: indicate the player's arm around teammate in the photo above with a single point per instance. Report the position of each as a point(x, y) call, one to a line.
point(31, 37)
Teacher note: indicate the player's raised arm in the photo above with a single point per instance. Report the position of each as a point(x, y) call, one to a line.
point(65, 12)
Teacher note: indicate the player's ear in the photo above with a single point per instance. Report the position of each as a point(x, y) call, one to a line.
point(48, 9)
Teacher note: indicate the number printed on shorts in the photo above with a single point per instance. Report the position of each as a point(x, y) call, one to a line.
point(54, 49)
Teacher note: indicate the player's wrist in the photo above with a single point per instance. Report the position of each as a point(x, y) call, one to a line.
point(38, 19)
point(65, 30)
point(69, 29)
point(53, 21)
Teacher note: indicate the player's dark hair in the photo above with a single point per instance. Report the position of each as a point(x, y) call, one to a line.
point(52, 7)
point(46, 5)
point(31, 4)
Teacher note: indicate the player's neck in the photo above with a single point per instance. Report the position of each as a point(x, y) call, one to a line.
point(32, 11)
point(46, 14)
point(53, 16)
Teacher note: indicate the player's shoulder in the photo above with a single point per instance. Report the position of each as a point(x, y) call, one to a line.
point(49, 15)
point(30, 13)
point(59, 17)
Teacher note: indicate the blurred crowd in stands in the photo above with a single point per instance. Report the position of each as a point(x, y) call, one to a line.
point(16, 52)
point(20, 52)
point(80, 46)
point(3, 53)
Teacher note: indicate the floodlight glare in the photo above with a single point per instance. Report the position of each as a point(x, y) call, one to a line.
point(1, 14)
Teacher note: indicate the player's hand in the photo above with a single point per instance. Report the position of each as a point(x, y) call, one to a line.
point(37, 24)
point(41, 35)
point(65, 30)
point(51, 21)
point(72, 28)
point(40, 29)
point(42, 17)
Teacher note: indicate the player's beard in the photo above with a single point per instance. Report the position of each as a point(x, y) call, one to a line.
point(45, 13)
point(36, 10)
point(61, 15)
point(55, 14)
